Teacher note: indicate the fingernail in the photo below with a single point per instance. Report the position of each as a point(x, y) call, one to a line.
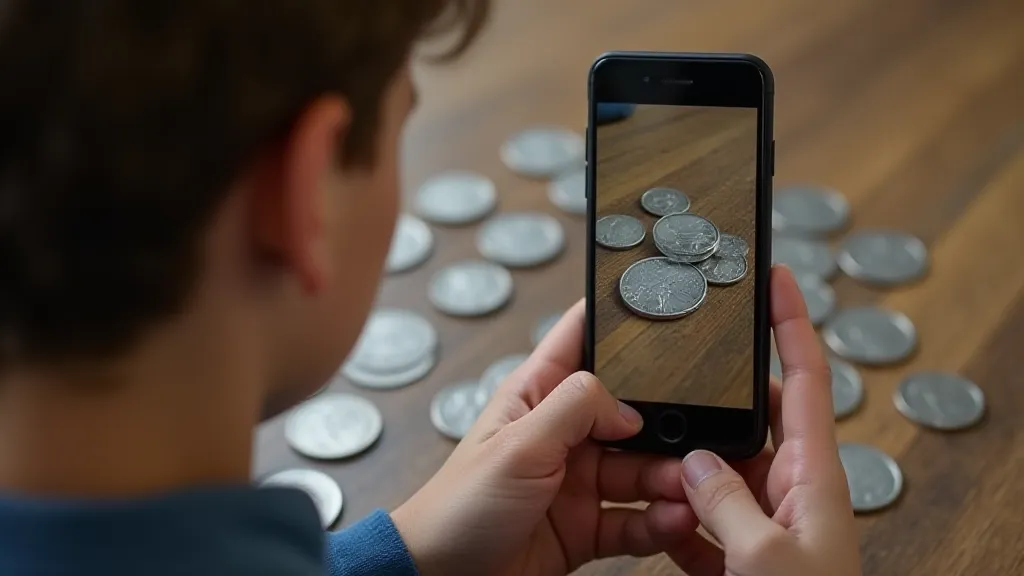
point(698, 466)
point(630, 415)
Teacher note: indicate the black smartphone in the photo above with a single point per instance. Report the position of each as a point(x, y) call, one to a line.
point(679, 246)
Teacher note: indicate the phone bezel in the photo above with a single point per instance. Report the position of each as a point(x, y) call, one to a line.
point(685, 79)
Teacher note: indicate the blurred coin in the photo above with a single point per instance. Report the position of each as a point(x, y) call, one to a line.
point(521, 239)
point(389, 380)
point(686, 237)
point(819, 296)
point(543, 151)
point(495, 374)
point(872, 336)
point(411, 244)
point(321, 488)
point(660, 289)
point(883, 257)
point(619, 232)
point(804, 256)
point(543, 326)
point(454, 409)
point(470, 288)
point(847, 388)
point(569, 192)
point(730, 244)
point(809, 210)
point(456, 197)
point(940, 400)
point(333, 426)
point(776, 364)
point(664, 201)
point(396, 348)
point(723, 270)
point(874, 478)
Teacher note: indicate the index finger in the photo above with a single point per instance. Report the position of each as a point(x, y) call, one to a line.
point(557, 356)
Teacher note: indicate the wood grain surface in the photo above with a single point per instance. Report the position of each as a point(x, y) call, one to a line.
point(913, 109)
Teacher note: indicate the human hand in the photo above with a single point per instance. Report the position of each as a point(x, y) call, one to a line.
point(523, 491)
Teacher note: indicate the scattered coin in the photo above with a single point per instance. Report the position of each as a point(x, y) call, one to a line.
point(809, 210)
point(389, 380)
point(819, 296)
point(874, 478)
point(660, 289)
point(495, 374)
point(619, 232)
point(730, 244)
point(868, 335)
point(940, 400)
point(396, 348)
point(847, 388)
point(722, 270)
point(804, 256)
point(686, 237)
point(883, 257)
point(664, 201)
point(569, 192)
point(411, 244)
point(454, 409)
point(543, 151)
point(521, 239)
point(543, 326)
point(456, 197)
point(470, 288)
point(321, 488)
point(333, 426)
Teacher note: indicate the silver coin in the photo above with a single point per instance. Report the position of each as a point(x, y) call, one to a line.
point(723, 270)
point(543, 326)
point(940, 400)
point(543, 151)
point(394, 349)
point(730, 244)
point(686, 237)
point(809, 210)
point(390, 380)
point(569, 192)
point(495, 374)
point(874, 478)
point(804, 256)
point(470, 288)
point(619, 232)
point(847, 388)
point(456, 197)
point(883, 257)
point(521, 239)
point(872, 336)
point(819, 296)
point(455, 409)
point(321, 488)
point(664, 201)
point(333, 426)
point(660, 289)
point(411, 244)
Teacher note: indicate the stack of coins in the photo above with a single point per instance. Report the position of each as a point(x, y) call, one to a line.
point(686, 238)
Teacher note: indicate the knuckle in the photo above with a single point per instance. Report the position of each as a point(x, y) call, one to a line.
point(582, 384)
point(717, 492)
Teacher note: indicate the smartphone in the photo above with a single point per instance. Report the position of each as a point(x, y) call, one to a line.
point(679, 246)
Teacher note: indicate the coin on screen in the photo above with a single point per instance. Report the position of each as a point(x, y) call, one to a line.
point(723, 270)
point(521, 239)
point(543, 151)
point(940, 400)
point(869, 335)
point(804, 256)
point(619, 232)
point(809, 210)
point(411, 244)
point(883, 257)
point(495, 374)
point(847, 388)
point(321, 488)
point(455, 409)
point(686, 237)
point(660, 289)
point(470, 288)
point(333, 426)
point(732, 245)
point(819, 296)
point(569, 192)
point(874, 478)
point(664, 201)
point(456, 197)
point(396, 348)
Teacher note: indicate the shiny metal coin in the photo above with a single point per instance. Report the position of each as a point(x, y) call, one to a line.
point(495, 374)
point(809, 210)
point(396, 348)
point(321, 488)
point(411, 244)
point(732, 245)
point(455, 409)
point(456, 197)
point(470, 288)
point(874, 478)
point(723, 270)
point(804, 256)
point(543, 151)
point(333, 426)
point(660, 289)
point(686, 237)
point(664, 201)
point(940, 400)
point(847, 388)
point(390, 380)
point(872, 336)
point(883, 257)
point(619, 232)
point(521, 239)
point(819, 296)
point(543, 326)
point(569, 192)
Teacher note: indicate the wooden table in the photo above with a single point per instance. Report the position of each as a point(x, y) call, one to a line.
point(913, 109)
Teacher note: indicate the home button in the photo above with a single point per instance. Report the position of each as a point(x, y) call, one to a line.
point(672, 426)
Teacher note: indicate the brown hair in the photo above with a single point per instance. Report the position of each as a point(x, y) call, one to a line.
point(123, 123)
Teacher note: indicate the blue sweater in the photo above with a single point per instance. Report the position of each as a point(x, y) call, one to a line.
point(204, 532)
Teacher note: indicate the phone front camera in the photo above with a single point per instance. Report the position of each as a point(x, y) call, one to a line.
point(647, 78)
